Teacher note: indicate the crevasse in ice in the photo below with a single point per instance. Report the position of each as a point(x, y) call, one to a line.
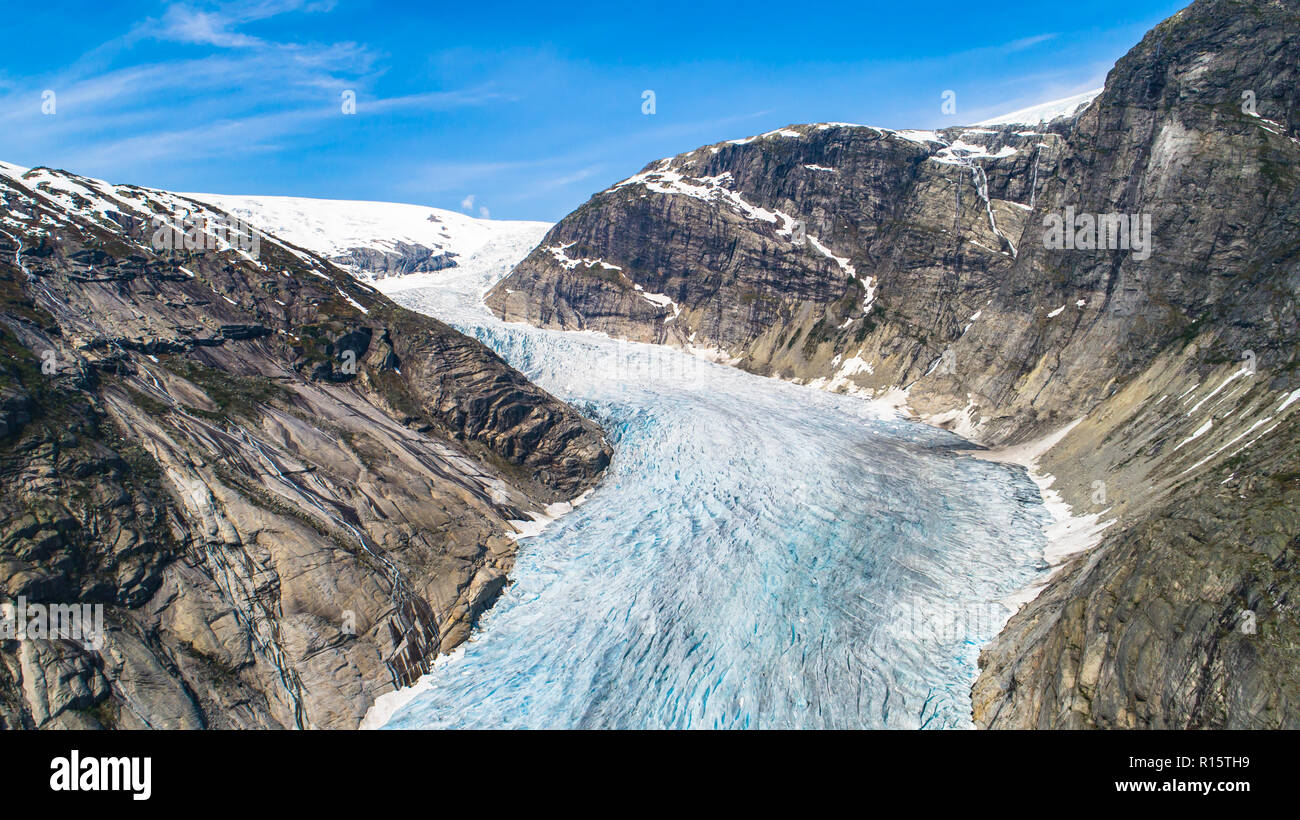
point(759, 555)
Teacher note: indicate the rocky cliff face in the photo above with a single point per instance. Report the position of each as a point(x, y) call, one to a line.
point(876, 261)
point(288, 493)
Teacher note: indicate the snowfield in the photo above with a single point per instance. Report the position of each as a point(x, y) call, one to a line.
point(1045, 112)
point(333, 227)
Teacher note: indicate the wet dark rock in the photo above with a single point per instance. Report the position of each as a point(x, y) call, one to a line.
point(243, 331)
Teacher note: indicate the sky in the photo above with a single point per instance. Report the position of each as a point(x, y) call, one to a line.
point(509, 111)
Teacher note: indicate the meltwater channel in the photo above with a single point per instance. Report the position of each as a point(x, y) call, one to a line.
point(759, 554)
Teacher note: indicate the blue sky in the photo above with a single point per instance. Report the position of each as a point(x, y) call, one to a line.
point(528, 108)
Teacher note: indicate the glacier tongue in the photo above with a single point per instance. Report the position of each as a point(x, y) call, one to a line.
point(759, 555)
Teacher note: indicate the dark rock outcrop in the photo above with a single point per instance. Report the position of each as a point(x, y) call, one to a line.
point(404, 258)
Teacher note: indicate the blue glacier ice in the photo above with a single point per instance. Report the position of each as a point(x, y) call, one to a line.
point(759, 555)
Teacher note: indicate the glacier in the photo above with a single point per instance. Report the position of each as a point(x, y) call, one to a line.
point(759, 555)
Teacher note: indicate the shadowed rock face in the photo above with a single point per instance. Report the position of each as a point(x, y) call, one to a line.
point(288, 493)
point(869, 260)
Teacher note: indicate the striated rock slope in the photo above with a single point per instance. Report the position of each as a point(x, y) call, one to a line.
point(919, 265)
point(288, 493)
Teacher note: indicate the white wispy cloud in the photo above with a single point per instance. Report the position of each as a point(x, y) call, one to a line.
point(251, 95)
point(216, 24)
point(1026, 42)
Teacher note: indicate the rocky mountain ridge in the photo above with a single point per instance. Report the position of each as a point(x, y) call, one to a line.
point(922, 266)
point(288, 493)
